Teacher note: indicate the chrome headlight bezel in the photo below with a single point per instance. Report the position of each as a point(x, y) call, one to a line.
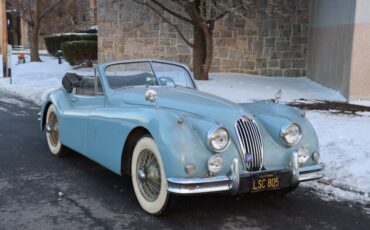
point(285, 131)
point(210, 137)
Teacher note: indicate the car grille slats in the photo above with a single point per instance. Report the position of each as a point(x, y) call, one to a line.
point(251, 143)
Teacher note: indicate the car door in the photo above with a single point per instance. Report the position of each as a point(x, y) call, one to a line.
point(83, 101)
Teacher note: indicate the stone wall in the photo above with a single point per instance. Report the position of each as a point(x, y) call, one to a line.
point(269, 44)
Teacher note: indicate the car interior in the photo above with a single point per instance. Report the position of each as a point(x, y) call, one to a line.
point(120, 81)
point(85, 85)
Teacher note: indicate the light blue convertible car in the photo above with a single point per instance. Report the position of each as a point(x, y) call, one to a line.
point(147, 118)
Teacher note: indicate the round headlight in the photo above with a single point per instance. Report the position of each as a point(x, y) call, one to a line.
point(218, 139)
point(215, 164)
point(291, 134)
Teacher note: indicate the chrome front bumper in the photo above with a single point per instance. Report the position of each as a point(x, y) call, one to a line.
point(231, 182)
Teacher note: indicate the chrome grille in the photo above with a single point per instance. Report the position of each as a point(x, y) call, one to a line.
point(251, 143)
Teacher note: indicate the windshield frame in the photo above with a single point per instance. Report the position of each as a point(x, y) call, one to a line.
point(151, 61)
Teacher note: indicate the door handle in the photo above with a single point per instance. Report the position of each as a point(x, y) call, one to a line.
point(73, 99)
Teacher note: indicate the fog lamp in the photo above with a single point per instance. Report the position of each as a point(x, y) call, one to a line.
point(215, 164)
point(190, 168)
point(303, 155)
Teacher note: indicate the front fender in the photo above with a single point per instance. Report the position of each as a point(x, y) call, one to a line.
point(54, 97)
point(184, 142)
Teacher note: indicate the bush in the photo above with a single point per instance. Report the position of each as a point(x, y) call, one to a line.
point(80, 52)
point(53, 43)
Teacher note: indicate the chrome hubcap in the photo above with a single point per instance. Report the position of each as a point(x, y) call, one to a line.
point(148, 175)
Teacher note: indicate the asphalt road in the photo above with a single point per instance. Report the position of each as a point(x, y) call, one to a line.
point(40, 191)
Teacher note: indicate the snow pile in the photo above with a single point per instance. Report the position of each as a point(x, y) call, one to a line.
point(344, 139)
point(245, 87)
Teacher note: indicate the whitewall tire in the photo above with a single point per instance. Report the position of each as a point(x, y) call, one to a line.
point(148, 176)
point(52, 132)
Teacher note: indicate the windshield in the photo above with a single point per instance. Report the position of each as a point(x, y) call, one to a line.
point(142, 74)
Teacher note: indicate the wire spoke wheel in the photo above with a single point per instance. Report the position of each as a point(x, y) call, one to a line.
point(148, 175)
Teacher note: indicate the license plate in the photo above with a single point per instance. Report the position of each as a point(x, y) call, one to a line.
point(265, 182)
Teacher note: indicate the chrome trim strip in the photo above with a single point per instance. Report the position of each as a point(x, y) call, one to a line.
point(310, 176)
point(311, 168)
point(187, 181)
point(240, 136)
point(311, 172)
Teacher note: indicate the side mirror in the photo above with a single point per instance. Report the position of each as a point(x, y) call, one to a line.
point(70, 81)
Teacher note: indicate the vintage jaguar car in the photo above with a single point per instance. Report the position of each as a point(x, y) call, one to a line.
point(147, 118)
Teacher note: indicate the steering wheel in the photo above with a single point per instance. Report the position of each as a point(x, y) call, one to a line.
point(163, 81)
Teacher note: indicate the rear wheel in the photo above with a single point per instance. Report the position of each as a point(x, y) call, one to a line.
point(52, 132)
point(148, 176)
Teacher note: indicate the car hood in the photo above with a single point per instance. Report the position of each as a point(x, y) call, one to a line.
point(186, 100)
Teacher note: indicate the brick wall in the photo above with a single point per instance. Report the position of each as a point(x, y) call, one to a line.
point(269, 44)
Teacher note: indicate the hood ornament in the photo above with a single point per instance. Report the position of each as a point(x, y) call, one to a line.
point(278, 96)
point(151, 95)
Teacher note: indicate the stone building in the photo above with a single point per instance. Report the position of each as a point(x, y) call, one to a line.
point(326, 40)
point(273, 45)
point(339, 46)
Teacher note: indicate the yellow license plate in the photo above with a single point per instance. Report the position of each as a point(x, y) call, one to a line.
point(265, 182)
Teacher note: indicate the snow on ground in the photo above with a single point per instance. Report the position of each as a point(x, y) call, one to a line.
point(345, 149)
point(344, 139)
point(34, 80)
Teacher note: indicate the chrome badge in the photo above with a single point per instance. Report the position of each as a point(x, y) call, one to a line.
point(248, 158)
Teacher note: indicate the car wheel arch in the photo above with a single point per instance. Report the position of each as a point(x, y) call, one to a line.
point(129, 145)
point(44, 113)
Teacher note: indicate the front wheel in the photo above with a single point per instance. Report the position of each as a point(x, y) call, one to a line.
point(148, 177)
point(52, 132)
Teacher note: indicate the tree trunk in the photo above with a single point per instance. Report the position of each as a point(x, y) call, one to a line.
point(34, 42)
point(199, 54)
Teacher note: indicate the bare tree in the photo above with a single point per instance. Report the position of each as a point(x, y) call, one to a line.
point(201, 15)
point(33, 12)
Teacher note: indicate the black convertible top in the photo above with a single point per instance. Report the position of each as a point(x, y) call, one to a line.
point(71, 80)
